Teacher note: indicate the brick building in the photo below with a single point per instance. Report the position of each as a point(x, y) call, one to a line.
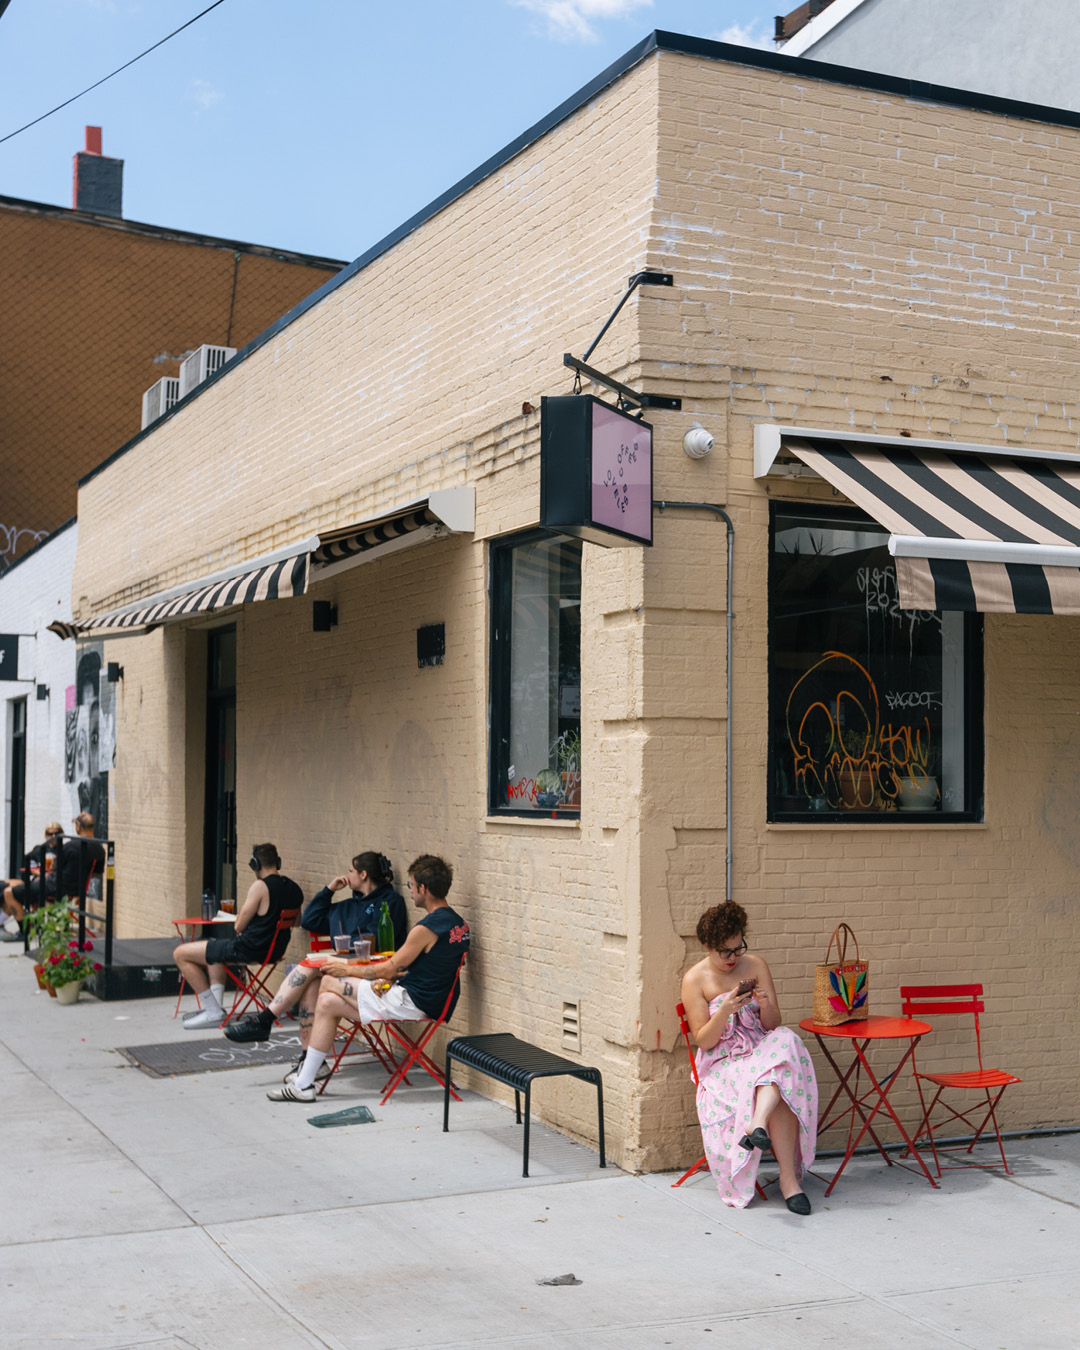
point(96, 310)
point(864, 282)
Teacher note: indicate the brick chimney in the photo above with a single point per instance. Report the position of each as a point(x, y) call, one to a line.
point(98, 181)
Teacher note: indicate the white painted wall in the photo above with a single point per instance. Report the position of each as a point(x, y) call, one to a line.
point(34, 592)
point(1023, 51)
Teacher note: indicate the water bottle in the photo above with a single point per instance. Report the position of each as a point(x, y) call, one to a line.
point(209, 904)
point(384, 934)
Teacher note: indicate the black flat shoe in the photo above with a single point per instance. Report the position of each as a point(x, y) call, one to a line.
point(757, 1139)
point(798, 1203)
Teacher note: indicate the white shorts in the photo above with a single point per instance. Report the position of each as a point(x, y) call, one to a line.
point(393, 1006)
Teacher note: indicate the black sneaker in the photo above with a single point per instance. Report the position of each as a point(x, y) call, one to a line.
point(255, 1027)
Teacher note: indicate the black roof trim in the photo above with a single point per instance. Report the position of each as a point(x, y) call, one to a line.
point(35, 547)
point(659, 40)
point(167, 233)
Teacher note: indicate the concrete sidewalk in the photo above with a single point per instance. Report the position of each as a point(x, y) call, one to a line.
point(192, 1212)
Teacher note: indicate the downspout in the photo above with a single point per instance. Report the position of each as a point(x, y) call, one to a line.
point(719, 511)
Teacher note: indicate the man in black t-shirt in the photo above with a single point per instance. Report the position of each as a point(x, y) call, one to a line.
point(423, 972)
point(203, 964)
point(80, 862)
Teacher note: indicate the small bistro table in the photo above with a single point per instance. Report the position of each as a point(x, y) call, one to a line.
point(861, 1034)
point(198, 926)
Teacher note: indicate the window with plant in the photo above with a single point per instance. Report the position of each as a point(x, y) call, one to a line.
point(535, 761)
point(874, 711)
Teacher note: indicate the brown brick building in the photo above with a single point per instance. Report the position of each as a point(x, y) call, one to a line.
point(876, 281)
point(96, 310)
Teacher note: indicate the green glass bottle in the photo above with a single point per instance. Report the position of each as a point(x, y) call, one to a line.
point(384, 934)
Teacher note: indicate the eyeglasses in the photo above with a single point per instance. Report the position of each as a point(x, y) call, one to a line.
point(731, 952)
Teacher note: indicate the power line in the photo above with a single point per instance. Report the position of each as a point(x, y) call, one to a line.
point(111, 73)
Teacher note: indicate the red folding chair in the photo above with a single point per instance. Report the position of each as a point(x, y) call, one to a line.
point(253, 989)
point(414, 1047)
point(702, 1163)
point(935, 1000)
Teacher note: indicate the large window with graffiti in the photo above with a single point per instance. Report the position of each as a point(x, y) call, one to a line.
point(875, 712)
point(535, 762)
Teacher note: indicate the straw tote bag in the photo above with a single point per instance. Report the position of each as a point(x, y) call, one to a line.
point(841, 986)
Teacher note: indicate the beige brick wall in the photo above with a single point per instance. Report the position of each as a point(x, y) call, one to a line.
point(842, 259)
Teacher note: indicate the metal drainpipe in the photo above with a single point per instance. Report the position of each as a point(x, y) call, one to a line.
point(719, 510)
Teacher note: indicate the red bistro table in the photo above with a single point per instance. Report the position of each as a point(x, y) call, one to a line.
point(197, 923)
point(860, 1034)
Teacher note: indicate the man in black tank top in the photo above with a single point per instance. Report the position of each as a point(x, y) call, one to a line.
point(203, 963)
point(412, 986)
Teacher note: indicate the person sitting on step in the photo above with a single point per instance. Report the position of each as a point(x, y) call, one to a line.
point(203, 963)
point(370, 877)
point(411, 987)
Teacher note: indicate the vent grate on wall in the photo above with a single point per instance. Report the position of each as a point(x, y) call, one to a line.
point(159, 398)
point(203, 362)
point(571, 1024)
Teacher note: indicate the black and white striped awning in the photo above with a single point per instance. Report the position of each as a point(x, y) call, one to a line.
point(263, 579)
point(971, 527)
point(337, 545)
point(291, 570)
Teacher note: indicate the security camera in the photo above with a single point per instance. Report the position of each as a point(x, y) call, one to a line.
point(697, 442)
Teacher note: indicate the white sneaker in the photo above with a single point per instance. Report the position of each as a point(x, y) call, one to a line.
point(11, 924)
point(323, 1072)
point(291, 1093)
point(202, 1021)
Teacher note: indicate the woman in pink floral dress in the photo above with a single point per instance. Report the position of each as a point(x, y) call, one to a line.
point(756, 1089)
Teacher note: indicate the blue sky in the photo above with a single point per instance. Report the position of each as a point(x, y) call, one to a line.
point(316, 125)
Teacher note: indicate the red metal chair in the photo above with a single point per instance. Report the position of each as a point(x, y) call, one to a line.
point(702, 1163)
point(253, 989)
point(414, 1048)
point(935, 1000)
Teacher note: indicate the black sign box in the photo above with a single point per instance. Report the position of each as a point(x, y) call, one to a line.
point(596, 478)
point(9, 656)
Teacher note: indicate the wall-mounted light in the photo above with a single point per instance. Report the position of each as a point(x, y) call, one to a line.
point(323, 616)
point(697, 442)
point(42, 692)
point(114, 673)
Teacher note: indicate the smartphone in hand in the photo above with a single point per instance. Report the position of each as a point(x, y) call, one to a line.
point(747, 986)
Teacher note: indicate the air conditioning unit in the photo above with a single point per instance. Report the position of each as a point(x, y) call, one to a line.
point(203, 362)
point(159, 398)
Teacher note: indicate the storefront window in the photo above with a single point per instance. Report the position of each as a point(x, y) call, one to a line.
point(874, 711)
point(536, 676)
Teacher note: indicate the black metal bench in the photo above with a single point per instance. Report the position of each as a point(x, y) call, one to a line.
point(516, 1063)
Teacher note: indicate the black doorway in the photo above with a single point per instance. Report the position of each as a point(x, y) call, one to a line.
point(219, 833)
point(17, 795)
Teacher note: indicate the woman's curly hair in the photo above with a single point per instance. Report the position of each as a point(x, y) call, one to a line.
point(721, 922)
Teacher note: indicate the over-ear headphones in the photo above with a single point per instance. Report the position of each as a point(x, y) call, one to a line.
point(255, 864)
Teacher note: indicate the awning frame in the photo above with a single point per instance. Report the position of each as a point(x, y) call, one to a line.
point(768, 438)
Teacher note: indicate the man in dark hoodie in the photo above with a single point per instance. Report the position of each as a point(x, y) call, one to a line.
point(370, 878)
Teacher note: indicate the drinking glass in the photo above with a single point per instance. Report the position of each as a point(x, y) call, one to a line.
point(362, 948)
point(342, 943)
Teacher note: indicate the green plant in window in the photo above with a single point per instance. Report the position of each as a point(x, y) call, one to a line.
point(568, 751)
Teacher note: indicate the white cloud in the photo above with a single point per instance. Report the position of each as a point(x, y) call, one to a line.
point(746, 36)
point(572, 20)
point(204, 94)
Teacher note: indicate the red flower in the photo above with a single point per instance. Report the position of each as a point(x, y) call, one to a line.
point(54, 960)
point(72, 944)
point(98, 965)
point(88, 946)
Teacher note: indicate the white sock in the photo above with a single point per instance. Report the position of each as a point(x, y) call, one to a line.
point(313, 1061)
point(209, 1000)
point(217, 993)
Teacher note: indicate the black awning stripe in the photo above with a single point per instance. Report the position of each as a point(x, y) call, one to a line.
point(952, 584)
point(1068, 488)
point(987, 476)
point(1031, 594)
point(845, 458)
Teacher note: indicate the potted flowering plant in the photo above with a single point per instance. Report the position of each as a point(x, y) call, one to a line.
point(67, 969)
point(50, 927)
